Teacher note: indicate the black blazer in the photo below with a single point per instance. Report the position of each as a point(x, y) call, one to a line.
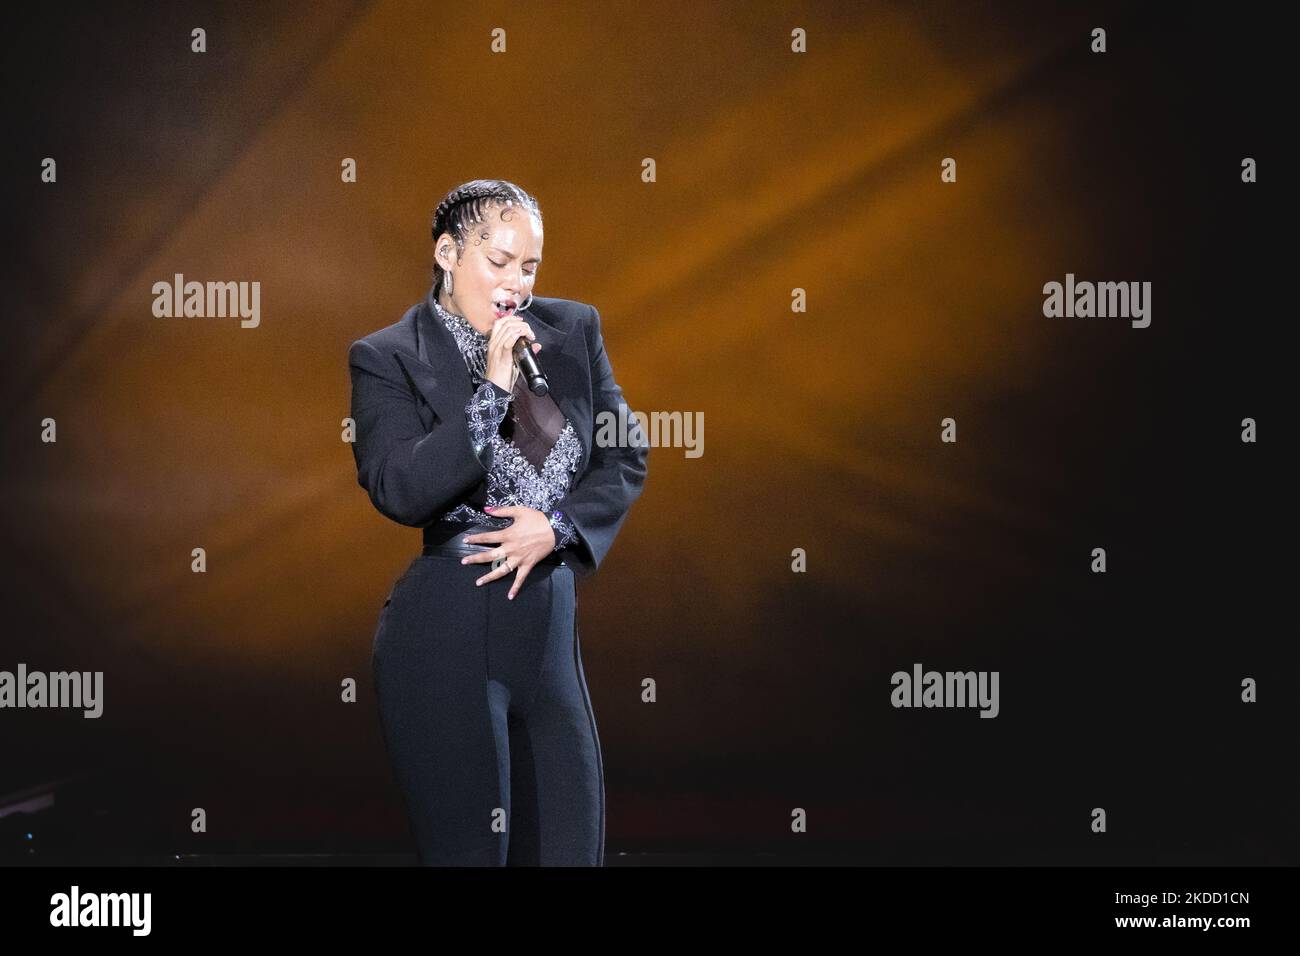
point(413, 450)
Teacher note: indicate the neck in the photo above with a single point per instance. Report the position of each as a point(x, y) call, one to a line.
point(450, 305)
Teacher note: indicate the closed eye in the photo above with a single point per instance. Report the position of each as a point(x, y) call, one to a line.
point(502, 265)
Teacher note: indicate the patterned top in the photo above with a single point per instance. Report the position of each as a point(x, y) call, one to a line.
point(512, 479)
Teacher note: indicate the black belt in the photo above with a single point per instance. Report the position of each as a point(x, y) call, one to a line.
point(447, 540)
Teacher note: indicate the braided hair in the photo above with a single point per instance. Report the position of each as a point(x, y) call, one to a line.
point(466, 207)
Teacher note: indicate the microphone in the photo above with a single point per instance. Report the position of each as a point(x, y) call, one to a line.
point(528, 367)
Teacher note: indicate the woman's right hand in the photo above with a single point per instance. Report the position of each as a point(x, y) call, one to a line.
point(500, 349)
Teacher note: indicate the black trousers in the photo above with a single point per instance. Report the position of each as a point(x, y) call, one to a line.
point(486, 718)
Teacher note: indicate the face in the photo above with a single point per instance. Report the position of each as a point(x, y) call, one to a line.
point(498, 264)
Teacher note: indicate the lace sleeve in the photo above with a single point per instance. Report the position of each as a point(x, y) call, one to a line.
point(565, 532)
point(485, 410)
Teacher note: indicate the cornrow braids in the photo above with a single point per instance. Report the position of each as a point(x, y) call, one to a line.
point(463, 211)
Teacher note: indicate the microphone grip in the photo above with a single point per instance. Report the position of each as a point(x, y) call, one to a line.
point(529, 367)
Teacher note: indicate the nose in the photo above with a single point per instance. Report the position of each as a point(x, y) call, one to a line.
point(515, 281)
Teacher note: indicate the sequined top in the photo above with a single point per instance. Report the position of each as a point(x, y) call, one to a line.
point(512, 479)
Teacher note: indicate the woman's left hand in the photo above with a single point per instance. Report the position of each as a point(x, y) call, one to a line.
point(523, 543)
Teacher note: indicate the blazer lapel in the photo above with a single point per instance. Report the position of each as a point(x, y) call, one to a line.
point(563, 359)
point(439, 371)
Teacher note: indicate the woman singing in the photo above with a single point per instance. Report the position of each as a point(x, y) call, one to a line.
point(478, 670)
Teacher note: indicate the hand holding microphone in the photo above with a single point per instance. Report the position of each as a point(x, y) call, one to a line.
point(508, 345)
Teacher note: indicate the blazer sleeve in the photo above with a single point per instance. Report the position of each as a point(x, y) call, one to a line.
point(412, 474)
point(613, 479)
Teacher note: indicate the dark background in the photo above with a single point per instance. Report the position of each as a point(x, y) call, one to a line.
point(775, 171)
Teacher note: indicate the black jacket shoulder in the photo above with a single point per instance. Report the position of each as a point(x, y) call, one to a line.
point(561, 314)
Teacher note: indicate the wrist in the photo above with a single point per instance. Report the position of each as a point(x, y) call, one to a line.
point(563, 529)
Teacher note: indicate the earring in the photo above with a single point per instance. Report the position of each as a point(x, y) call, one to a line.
point(446, 281)
point(526, 304)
